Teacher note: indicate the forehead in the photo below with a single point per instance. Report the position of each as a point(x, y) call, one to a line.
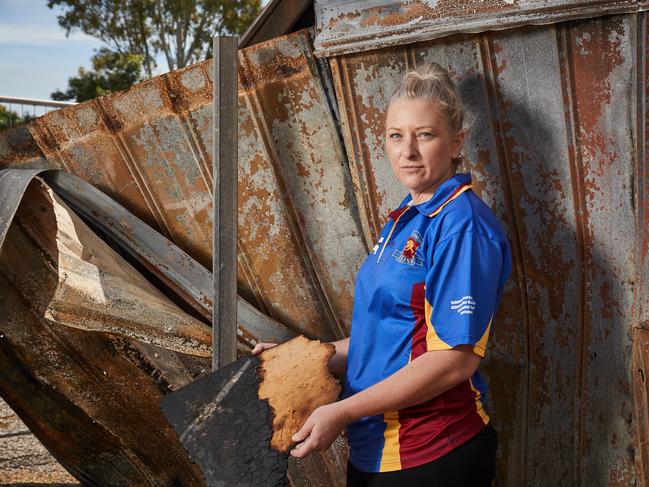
point(415, 112)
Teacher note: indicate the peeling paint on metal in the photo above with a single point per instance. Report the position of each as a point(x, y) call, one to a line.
point(550, 148)
point(353, 26)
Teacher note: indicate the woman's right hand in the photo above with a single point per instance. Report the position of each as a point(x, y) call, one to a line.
point(261, 346)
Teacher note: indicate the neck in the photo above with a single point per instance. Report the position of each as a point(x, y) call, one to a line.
point(419, 197)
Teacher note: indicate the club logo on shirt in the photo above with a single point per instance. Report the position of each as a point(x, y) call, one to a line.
point(465, 305)
point(408, 255)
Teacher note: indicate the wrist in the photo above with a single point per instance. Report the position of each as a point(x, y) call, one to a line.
point(346, 409)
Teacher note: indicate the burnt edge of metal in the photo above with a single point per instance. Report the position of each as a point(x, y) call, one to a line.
point(226, 429)
point(188, 278)
point(224, 231)
point(331, 42)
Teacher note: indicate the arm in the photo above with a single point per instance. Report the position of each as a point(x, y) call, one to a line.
point(338, 363)
point(424, 378)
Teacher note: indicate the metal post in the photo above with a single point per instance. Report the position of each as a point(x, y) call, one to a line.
point(224, 258)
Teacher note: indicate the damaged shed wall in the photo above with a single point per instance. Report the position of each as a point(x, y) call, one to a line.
point(557, 144)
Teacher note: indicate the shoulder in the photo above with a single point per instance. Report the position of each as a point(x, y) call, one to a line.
point(469, 214)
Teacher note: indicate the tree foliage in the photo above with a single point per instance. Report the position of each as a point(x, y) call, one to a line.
point(111, 71)
point(181, 30)
point(9, 118)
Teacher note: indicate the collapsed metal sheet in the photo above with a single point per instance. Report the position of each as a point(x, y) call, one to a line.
point(150, 149)
point(182, 274)
point(67, 276)
point(298, 253)
point(98, 290)
point(345, 26)
point(550, 146)
point(81, 392)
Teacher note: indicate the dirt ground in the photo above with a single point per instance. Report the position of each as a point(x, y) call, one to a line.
point(23, 460)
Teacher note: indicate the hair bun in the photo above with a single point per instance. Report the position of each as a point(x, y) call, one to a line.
point(433, 82)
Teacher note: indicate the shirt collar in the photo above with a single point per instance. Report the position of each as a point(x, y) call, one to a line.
point(444, 194)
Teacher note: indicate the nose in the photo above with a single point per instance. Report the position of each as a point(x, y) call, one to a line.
point(409, 148)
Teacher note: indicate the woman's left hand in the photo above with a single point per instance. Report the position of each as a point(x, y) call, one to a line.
point(320, 430)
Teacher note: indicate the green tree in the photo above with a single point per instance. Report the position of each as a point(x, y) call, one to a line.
point(181, 30)
point(111, 71)
point(9, 118)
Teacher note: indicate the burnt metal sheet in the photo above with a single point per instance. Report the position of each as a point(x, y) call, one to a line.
point(226, 428)
point(66, 276)
point(182, 274)
point(553, 121)
point(345, 26)
point(81, 392)
point(150, 149)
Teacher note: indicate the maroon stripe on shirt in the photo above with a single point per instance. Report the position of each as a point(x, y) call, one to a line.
point(418, 345)
point(433, 428)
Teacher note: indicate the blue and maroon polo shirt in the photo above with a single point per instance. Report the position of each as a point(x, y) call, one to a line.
point(432, 282)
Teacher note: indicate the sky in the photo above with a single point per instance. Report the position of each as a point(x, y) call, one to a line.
point(36, 58)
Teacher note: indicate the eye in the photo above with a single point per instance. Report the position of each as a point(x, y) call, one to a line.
point(426, 135)
point(394, 135)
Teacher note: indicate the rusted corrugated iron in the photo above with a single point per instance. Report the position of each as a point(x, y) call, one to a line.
point(557, 144)
point(345, 26)
point(297, 221)
point(553, 125)
point(150, 149)
point(91, 398)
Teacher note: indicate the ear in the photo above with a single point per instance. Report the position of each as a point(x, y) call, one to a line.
point(457, 141)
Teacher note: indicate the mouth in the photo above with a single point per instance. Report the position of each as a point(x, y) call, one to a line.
point(412, 167)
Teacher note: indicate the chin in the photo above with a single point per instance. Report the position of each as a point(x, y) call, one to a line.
point(411, 183)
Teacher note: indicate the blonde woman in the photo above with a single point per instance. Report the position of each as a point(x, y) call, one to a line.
point(424, 302)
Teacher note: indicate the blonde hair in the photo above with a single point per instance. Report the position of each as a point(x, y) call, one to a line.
point(432, 82)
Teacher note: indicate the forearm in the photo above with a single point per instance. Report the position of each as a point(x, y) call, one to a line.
point(420, 380)
point(338, 363)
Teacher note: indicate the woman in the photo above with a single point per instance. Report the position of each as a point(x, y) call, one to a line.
point(424, 300)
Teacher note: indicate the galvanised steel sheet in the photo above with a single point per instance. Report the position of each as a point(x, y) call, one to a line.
point(345, 26)
point(150, 148)
point(91, 398)
point(553, 122)
point(297, 208)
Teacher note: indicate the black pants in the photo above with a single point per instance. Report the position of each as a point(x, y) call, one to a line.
point(471, 464)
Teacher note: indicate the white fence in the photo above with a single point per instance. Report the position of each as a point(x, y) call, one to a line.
point(21, 109)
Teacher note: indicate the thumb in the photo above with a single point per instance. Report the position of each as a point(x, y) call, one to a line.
point(303, 432)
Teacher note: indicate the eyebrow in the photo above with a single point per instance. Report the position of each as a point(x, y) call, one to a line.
point(417, 128)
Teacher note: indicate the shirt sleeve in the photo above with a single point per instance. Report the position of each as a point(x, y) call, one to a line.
point(463, 286)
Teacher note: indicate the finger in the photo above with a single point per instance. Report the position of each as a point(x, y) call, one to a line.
point(303, 449)
point(303, 432)
point(260, 347)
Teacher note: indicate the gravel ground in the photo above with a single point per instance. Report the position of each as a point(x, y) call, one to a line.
point(23, 460)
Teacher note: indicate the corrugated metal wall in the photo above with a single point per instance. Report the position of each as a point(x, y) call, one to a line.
point(556, 147)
